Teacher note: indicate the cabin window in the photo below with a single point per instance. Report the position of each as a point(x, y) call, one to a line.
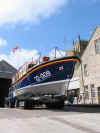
point(97, 46)
point(86, 92)
point(92, 91)
point(24, 70)
point(85, 70)
point(30, 66)
point(21, 74)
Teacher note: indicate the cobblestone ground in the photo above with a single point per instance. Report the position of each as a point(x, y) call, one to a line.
point(41, 120)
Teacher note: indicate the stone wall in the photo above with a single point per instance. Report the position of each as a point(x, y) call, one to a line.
point(93, 69)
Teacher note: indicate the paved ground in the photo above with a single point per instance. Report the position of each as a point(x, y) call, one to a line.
point(68, 120)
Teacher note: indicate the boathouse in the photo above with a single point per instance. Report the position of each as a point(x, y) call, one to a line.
point(6, 73)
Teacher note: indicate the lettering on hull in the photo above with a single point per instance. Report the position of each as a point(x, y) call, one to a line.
point(43, 76)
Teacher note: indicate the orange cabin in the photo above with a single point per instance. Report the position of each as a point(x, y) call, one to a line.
point(45, 58)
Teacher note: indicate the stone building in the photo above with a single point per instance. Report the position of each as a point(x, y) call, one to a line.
point(6, 73)
point(78, 50)
point(89, 70)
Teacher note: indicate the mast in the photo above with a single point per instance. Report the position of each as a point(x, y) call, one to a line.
point(55, 52)
point(39, 58)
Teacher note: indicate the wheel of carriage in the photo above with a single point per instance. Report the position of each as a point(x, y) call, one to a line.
point(60, 104)
point(55, 105)
point(28, 104)
point(49, 105)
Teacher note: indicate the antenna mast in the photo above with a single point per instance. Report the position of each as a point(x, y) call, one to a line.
point(39, 57)
point(55, 52)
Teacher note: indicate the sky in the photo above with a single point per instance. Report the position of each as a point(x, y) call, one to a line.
point(38, 26)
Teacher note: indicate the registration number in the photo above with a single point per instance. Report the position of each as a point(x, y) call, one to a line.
point(42, 76)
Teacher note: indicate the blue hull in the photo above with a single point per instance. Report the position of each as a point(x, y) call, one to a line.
point(54, 70)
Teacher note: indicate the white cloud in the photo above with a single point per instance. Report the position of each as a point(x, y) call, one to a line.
point(3, 42)
point(59, 53)
point(21, 56)
point(14, 11)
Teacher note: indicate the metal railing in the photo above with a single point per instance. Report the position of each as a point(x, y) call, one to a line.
point(84, 98)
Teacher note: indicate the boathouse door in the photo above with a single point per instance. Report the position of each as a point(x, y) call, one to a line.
point(4, 88)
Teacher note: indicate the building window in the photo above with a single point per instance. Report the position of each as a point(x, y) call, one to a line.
point(97, 46)
point(86, 92)
point(92, 90)
point(99, 95)
point(85, 70)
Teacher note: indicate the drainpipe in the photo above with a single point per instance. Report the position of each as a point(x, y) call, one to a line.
point(83, 83)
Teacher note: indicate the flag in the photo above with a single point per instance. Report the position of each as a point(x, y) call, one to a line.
point(14, 49)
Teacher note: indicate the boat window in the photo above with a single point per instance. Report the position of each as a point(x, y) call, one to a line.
point(30, 66)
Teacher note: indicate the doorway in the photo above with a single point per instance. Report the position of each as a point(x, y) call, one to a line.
point(4, 89)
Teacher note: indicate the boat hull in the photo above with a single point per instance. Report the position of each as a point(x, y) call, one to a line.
point(47, 78)
point(57, 88)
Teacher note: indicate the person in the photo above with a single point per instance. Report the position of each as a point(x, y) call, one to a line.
point(79, 99)
point(71, 98)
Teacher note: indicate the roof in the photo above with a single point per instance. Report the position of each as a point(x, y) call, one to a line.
point(94, 33)
point(6, 70)
point(92, 36)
